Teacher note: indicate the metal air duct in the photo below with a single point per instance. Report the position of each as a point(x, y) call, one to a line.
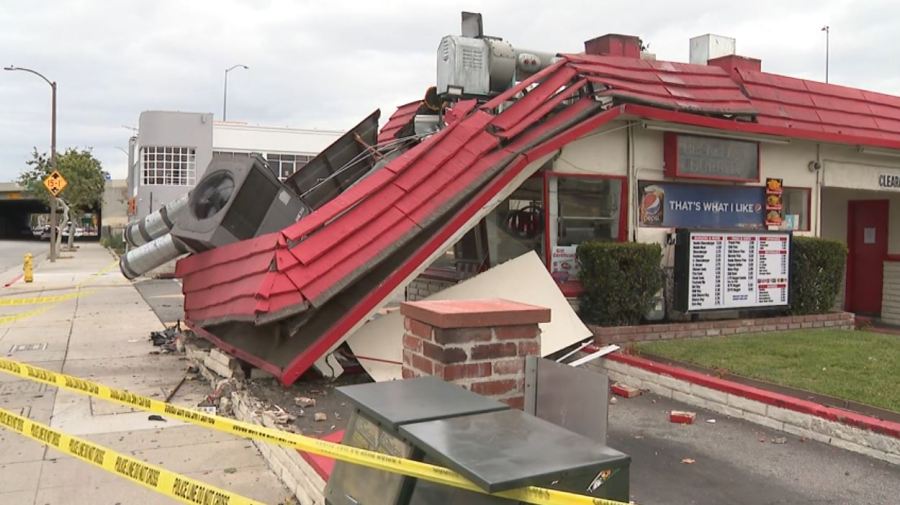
point(153, 254)
point(155, 224)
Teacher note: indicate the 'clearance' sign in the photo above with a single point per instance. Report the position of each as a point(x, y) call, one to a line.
point(889, 181)
point(842, 174)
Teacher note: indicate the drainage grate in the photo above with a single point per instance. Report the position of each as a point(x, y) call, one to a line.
point(27, 347)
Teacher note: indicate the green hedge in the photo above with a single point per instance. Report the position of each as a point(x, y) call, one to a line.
point(817, 269)
point(620, 281)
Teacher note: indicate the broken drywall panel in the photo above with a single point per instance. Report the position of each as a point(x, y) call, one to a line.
point(378, 343)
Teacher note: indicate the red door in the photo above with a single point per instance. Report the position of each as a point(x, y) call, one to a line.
point(867, 230)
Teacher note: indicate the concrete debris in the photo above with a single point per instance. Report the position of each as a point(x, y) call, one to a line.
point(624, 390)
point(225, 406)
point(280, 416)
point(305, 401)
point(223, 364)
point(613, 400)
point(779, 440)
point(682, 417)
point(320, 416)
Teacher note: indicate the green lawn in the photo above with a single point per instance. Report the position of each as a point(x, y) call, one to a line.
point(855, 365)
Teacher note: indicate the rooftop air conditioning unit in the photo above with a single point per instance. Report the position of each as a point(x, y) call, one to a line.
point(238, 198)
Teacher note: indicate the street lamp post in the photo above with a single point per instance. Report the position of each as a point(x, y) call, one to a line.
point(53, 203)
point(225, 96)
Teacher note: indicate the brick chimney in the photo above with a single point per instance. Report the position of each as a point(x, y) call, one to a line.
point(614, 44)
point(732, 63)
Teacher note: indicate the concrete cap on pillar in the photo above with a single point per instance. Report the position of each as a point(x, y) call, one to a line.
point(474, 313)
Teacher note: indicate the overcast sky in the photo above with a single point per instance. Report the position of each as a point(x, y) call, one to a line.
point(327, 64)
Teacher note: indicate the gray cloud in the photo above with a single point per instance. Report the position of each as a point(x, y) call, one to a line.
point(327, 64)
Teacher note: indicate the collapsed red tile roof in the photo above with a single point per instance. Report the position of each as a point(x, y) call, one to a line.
point(442, 182)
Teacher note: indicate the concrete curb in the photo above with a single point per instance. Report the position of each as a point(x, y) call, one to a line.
point(848, 430)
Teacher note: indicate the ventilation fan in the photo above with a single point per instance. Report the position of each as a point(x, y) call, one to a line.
point(212, 195)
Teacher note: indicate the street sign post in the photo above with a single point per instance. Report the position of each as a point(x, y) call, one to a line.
point(55, 183)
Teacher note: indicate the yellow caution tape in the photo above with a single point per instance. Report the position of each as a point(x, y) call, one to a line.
point(171, 484)
point(371, 459)
point(39, 300)
point(22, 315)
point(42, 300)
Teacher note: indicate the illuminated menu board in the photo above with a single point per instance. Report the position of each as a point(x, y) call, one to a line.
point(731, 270)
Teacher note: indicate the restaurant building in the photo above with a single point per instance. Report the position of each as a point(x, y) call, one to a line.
point(692, 147)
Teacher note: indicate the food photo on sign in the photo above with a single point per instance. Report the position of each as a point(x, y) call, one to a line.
point(774, 202)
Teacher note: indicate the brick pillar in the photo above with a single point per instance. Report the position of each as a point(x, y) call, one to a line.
point(478, 344)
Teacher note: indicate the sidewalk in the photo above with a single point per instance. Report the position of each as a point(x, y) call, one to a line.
point(102, 335)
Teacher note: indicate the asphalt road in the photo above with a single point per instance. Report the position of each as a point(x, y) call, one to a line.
point(735, 462)
point(12, 252)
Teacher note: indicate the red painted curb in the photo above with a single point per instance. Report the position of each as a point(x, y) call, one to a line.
point(761, 395)
point(13, 280)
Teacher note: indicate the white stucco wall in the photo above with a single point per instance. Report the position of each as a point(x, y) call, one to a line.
point(237, 137)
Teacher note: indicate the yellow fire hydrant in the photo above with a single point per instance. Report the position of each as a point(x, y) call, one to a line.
point(28, 268)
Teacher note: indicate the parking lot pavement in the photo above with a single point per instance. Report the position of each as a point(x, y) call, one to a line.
point(736, 462)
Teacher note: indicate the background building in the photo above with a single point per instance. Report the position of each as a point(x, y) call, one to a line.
point(172, 149)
